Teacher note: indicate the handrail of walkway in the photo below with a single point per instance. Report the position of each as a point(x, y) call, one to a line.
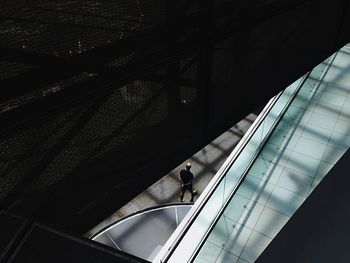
point(181, 231)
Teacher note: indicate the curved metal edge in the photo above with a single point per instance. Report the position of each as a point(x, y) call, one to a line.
point(138, 213)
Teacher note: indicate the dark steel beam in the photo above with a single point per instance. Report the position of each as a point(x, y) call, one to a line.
point(28, 57)
point(161, 78)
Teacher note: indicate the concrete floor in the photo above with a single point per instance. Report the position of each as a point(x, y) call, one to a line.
point(205, 164)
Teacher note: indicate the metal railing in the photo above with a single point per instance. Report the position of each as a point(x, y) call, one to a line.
point(224, 185)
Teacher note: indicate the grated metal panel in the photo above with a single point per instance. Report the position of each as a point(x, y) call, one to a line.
point(40, 93)
point(120, 118)
point(22, 151)
point(68, 27)
point(188, 93)
point(11, 69)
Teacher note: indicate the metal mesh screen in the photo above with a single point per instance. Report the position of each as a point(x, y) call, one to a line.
point(84, 81)
point(188, 92)
point(40, 93)
point(22, 151)
point(64, 28)
point(120, 118)
point(10, 69)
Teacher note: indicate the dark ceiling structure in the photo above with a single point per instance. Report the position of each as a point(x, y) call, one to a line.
point(100, 99)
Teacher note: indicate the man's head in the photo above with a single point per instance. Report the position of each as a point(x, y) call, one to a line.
point(188, 166)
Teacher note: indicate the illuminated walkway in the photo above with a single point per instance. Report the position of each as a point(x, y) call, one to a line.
point(251, 200)
point(205, 164)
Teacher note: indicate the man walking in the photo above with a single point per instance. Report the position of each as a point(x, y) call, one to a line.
point(186, 178)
